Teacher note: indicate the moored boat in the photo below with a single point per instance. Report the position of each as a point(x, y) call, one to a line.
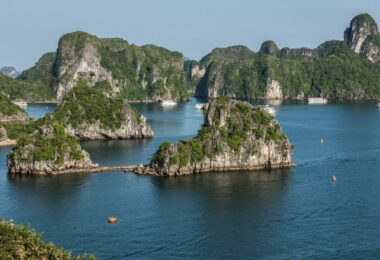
point(317, 100)
point(168, 103)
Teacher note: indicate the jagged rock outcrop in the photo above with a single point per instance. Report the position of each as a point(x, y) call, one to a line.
point(10, 112)
point(235, 136)
point(371, 48)
point(48, 151)
point(336, 69)
point(360, 28)
point(88, 114)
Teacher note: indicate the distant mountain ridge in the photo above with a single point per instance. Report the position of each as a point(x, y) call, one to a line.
point(9, 71)
point(345, 69)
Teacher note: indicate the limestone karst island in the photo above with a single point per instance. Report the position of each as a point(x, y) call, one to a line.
point(157, 130)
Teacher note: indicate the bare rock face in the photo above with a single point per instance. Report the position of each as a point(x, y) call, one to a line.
point(274, 89)
point(74, 63)
point(235, 136)
point(197, 72)
point(117, 68)
point(48, 151)
point(360, 28)
point(371, 48)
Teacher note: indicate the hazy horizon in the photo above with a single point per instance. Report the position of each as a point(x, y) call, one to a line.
point(33, 28)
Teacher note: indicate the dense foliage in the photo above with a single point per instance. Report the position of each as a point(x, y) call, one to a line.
point(19, 89)
point(84, 105)
point(7, 108)
point(42, 73)
point(21, 242)
point(55, 146)
point(157, 68)
point(334, 70)
point(214, 137)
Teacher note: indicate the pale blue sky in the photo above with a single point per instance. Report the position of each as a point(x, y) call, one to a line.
point(30, 28)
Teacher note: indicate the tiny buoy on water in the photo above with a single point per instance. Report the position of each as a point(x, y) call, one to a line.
point(334, 178)
point(322, 141)
point(112, 220)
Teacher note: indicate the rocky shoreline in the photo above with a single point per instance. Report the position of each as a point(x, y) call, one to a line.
point(148, 170)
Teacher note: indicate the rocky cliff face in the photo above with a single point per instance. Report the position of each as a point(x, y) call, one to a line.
point(360, 28)
point(273, 90)
point(47, 151)
point(10, 112)
point(117, 68)
point(87, 114)
point(363, 37)
point(235, 136)
point(78, 57)
point(147, 73)
point(371, 48)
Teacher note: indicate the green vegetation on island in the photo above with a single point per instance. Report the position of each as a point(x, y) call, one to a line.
point(234, 131)
point(49, 143)
point(346, 69)
point(23, 90)
point(21, 242)
point(333, 70)
point(84, 107)
point(7, 108)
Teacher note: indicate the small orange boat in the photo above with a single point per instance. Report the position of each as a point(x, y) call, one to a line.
point(112, 220)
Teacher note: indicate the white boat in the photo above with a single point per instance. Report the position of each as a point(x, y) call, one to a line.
point(199, 106)
point(270, 110)
point(378, 105)
point(21, 104)
point(318, 100)
point(167, 103)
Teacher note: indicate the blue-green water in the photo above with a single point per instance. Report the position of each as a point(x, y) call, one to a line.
point(39, 110)
point(294, 213)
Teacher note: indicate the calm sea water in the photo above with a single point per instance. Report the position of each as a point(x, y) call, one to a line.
point(296, 213)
